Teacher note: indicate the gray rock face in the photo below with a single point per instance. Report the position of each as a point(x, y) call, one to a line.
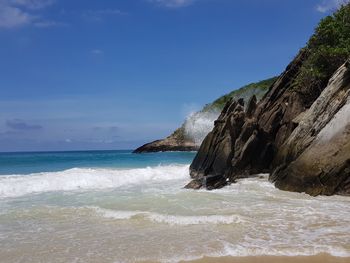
point(192, 132)
point(283, 134)
point(316, 157)
point(215, 154)
point(243, 142)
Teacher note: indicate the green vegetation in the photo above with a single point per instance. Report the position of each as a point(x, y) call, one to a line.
point(258, 89)
point(328, 49)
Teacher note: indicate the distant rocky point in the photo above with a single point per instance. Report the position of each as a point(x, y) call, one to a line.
point(195, 128)
point(175, 142)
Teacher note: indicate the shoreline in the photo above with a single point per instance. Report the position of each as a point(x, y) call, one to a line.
point(319, 258)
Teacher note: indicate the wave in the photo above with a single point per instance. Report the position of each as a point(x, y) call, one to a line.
point(289, 250)
point(169, 219)
point(87, 179)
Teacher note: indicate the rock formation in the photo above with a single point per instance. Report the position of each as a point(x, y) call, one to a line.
point(316, 157)
point(244, 142)
point(191, 134)
point(299, 132)
point(284, 135)
point(175, 142)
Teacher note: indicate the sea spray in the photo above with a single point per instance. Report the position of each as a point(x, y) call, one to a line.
point(199, 124)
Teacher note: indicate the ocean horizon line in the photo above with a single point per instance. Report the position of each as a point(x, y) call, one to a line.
point(62, 151)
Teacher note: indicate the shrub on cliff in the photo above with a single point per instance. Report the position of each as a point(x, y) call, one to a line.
point(328, 49)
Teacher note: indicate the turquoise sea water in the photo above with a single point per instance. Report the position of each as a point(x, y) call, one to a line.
point(115, 206)
point(35, 162)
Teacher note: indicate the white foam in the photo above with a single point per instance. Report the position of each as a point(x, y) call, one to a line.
point(249, 218)
point(246, 250)
point(241, 251)
point(199, 124)
point(169, 219)
point(113, 214)
point(196, 220)
point(87, 179)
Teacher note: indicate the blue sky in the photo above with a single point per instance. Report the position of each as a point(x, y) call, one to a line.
point(87, 74)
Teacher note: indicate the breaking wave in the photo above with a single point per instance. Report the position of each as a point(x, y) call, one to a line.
point(87, 179)
point(169, 219)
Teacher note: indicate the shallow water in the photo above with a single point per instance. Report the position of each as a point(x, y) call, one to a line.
point(110, 214)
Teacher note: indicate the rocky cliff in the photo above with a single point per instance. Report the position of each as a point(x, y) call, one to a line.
point(192, 132)
point(316, 157)
point(284, 134)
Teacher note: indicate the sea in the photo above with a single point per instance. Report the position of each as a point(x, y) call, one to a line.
point(116, 206)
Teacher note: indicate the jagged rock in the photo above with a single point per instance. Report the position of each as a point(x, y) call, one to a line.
point(316, 157)
point(190, 141)
point(184, 139)
point(243, 142)
point(251, 107)
point(300, 130)
point(215, 154)
point(312, 121)
point(274, 134)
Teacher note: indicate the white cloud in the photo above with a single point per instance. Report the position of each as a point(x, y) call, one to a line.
point(48, 23)
point(108, 12)
point(98, 15)
point(330, 5)
point(97, 52)
point(172, 3)
point(11, 17)
point(33, 4)
point(18, 13)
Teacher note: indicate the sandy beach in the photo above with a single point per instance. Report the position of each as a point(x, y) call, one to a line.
point(321, 258)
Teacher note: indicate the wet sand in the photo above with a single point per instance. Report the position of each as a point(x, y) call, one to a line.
point(322, 258)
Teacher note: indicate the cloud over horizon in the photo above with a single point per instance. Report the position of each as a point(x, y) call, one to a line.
point(330, 5)
point(20, 125)
point(172, 3)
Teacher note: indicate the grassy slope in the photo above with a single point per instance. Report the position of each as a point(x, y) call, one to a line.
point(258, 89)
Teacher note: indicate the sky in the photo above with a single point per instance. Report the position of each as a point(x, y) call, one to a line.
point(115, 74)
